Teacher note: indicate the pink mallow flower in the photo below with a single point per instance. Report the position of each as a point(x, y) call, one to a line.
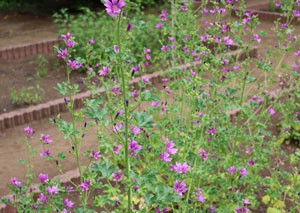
point(74, 65)
point(43, 177)
point(243, 171)
point(85, 186)
point(52, 190)
point(42, 198)
point(116, 148)
point(62, 53)
point(68, 203)
point(95, 154)
point(180, 168)
point(117, 176)
point(104, 71)
point(169, 147)
point(200, 196)
point(46, 139)
point(113, 7)
point(15, 181)
point(134, 147)
point(180, 188)
point(231, 170)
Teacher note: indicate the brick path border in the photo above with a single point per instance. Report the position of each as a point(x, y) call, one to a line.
point(265, 15)
point(23, 51)
point(54, 107)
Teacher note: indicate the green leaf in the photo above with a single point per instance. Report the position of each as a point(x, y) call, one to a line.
point(250, 79)
point(144, 120)
point(21, 161)
point(61, 156)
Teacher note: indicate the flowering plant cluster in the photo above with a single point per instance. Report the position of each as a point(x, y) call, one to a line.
point(178, 146)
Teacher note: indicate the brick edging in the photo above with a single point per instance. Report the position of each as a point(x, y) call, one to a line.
point(54, 107)
point(33, 49)
point(265, 15)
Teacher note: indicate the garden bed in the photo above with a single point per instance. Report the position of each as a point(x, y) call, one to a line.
point(263, 13)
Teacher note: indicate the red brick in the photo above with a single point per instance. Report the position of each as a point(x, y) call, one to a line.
point(27, 51)
point(19, 119)
point(9, 122)
point(28, 116)
point(46, 111)
point(39, 48)
point(10, 54)
point(37, 113)
point(33, 49)
point(22, 52)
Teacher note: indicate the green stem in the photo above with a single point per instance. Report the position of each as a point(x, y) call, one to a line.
point(127, 157)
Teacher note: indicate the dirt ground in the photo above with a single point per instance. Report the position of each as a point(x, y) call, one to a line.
point(15, 30)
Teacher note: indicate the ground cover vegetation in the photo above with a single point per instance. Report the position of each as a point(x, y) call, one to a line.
point(189, 154)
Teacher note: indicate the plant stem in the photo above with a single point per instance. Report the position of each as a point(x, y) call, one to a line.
point(127, 157)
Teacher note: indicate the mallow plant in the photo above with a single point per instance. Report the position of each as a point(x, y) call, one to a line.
point(199, 141)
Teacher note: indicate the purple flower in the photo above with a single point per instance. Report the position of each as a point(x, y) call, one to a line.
point(212, 209)
point(113, 7)
point(165, 210)
point(91, 41)
point(62, 53)
point(104, 71)
point(116, 91)
point(297, 53)
point(251, 162)
point(85, 186)
point(116, 148)
point(180, 188)
point(228, 41)
point(246, 202)
point(15, 181)
point(134, 147)
point(135, 94)
point(241, 210)
point(249, 150)
point(42, 198)
point(203, 154)
point(271, 111)
point(135, 130)
point(212, 131)
point(95, 154)
point(28, 130)
point(117, 176)
point(74, 65)
point(256, 38)
point(180, 168)
point(164, 48)
point(43, 177)
point(278, 4)
point(165, 157)
point(129, 26)
point(155, 103)
point(231, 170)
point(67, 36)
point(69, 43)
point(169, 147)
point(158, 26)
point(146, 80)
point(45, 152)
point(46, 139)
point(116, 48)
point(52, 190)
point(243, 171)
point(200, 196)
point(184, 8)
point(68, 203)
